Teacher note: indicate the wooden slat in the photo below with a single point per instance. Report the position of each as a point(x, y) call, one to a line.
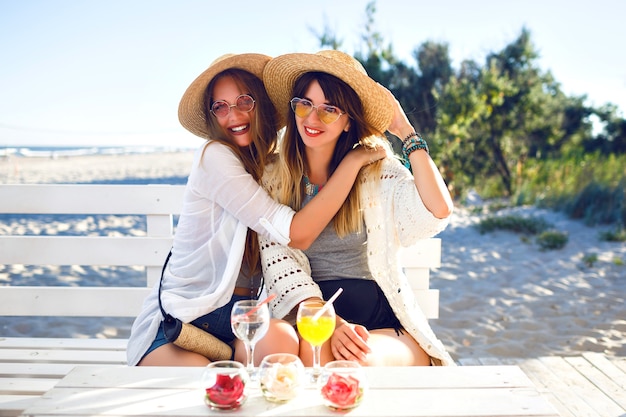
point(21, 384)
point(84, 250)
point(62, 343)
point(26, 386)
point(153, 275)
point(13, 405)
point(562, 385)
point(75, 357)
point(376, 403)
point(581, 387)
point(425, 253)
point(620, 363)
point(160, 225)
point(590, 385)
point(599, 380)
point(91, 199)
point(470, 377)
point(608, 368)
point(419, 278)
point(140, 377)
point(428, 301)
point(542, 378)
point(72, 301)
point(53, 371)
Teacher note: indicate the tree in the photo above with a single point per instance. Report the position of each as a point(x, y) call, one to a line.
point(526, 110)
point(487, 124)
point(434, 72)
point(612, 135)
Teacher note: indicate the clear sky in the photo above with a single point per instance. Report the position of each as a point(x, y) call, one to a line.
point(111, 72)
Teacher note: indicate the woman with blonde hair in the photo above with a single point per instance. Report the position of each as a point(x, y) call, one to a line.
point(333, 106)
point(214, 260)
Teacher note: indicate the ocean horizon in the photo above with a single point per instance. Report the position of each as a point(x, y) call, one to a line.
point(95, 164)
point(54, 152)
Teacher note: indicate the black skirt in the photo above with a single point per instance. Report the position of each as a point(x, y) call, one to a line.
point(361, 302)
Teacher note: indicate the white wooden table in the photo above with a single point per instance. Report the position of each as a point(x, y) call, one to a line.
point(417, 391)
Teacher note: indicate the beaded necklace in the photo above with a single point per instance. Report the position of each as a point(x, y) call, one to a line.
point(310, 189)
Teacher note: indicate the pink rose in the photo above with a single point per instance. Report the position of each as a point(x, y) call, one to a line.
point(341, 391)
point(227, 390)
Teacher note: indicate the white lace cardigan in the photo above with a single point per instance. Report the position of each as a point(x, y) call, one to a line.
point(394, 216)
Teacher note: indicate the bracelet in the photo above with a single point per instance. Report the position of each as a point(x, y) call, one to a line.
point(410, 135)
point(412, 144)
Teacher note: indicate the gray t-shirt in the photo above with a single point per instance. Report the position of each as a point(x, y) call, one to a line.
point(245, 281)
point(332, 257)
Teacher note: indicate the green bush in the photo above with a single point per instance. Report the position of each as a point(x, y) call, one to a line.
point(497, 206)
point(513, 223)
point(590, 259)
point(596, 204)
point(591, 187)
point(552, 239)
point(618, 235)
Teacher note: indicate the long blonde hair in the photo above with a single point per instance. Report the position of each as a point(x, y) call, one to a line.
point(292, 165)
point(263, 129)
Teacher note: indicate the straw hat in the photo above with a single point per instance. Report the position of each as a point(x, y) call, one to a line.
point(191, 107)
point(282, 72)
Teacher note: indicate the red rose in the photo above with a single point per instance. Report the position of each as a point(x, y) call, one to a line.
point(341, 391)
point(227, 390)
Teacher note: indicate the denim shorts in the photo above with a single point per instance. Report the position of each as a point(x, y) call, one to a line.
point(218, 321)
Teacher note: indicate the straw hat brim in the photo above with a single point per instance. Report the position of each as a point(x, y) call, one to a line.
point(191, 107)
point(281, 73)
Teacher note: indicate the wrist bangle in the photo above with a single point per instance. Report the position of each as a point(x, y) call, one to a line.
point(410, 135)
point(412, 144)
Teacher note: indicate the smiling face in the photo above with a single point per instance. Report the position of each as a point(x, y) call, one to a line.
point(314, 133)
point(236, 123)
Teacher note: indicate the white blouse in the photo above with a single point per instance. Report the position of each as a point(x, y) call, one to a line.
point(220, 203)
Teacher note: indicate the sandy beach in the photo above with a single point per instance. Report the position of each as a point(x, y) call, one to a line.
point(500, 295)
point(159, 167)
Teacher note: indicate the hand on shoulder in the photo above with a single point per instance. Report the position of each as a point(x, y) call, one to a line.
point(366, 156)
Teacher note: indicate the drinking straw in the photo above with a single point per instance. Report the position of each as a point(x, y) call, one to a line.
point(259, 305)
point(327, 304)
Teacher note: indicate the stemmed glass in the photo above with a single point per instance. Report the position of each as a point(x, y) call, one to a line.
point(316, 327)
point(250, 321)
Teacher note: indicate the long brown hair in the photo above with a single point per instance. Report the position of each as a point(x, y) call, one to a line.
point(292, 167)
point(264, 125)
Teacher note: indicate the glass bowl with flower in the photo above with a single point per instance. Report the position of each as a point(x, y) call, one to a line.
point(223, 385)
point(282, 377)
point(343, 385)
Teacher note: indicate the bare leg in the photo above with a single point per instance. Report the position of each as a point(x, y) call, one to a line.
point(281, 337)
point(390, 349)
point(171, 355)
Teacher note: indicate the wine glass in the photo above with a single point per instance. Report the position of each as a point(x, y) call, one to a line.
point(316, 324)
point(250, 322)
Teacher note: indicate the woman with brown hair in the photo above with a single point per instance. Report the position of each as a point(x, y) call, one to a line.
point(214, 257)
point(333, 106)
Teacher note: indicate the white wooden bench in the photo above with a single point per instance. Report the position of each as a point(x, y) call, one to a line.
point(31, 366)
